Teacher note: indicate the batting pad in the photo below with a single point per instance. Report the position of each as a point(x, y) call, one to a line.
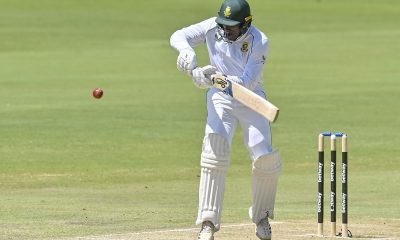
point(215, 160)
point(266, 171)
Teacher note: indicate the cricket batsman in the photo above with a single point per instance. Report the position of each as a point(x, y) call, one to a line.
point(238, 52)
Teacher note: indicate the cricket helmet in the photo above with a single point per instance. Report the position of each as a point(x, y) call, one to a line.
point(234, 12)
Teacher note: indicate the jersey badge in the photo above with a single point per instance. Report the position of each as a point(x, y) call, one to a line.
point(245, 47)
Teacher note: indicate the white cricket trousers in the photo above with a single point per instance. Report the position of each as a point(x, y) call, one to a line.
point(224, 113)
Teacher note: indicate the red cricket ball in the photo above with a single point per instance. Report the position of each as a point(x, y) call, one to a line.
point(97, 93)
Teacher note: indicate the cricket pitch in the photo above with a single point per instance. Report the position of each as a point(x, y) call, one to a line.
point(384, 229)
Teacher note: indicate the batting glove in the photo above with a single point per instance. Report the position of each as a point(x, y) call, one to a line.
point(187, 61)
point(201, 77)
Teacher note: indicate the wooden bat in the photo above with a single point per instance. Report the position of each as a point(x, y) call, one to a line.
point(246, 97)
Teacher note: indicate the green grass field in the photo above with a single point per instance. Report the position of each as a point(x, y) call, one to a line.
point(71, 165)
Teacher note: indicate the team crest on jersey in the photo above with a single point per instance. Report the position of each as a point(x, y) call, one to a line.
point(227, 12)
point(245, 47)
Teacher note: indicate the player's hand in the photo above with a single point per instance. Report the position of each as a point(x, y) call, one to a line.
point(187, 61)
point(221, 82)
point(202, 76)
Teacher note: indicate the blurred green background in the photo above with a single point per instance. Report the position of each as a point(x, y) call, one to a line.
point(71, 165)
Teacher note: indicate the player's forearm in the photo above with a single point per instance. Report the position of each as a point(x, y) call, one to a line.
point(179, 41)
point(189, 37)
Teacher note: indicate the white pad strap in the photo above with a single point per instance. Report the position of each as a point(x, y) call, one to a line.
point(215, 160)
point(266, 171)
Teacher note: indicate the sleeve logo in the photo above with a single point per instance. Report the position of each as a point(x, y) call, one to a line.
point(263, 59)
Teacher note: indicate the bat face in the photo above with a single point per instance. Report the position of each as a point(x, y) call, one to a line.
point(255, 102)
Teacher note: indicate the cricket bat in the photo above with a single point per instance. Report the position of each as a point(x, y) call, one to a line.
point(254, 101)
point(246, 97)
